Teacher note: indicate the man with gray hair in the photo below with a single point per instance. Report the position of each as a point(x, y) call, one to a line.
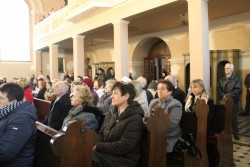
point(59, 107)
point(231, 84)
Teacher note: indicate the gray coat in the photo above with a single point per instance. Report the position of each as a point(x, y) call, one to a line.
point(86, 114)
point(174, 108)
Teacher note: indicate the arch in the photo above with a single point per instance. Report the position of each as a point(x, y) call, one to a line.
point(147, 61)
point(220, 69)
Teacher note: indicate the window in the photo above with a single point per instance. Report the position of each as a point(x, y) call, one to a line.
point(14, 31)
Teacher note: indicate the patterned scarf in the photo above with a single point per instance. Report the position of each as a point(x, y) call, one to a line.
point(4, 111)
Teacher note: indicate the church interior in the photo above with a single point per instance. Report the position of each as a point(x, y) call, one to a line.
point(187, 38)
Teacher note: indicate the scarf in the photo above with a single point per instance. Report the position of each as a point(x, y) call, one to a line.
point(190, 99)
point(5, 110)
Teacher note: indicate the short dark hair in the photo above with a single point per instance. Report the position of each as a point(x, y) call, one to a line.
point(169, 85)
point(126, 88)
point(13, 90)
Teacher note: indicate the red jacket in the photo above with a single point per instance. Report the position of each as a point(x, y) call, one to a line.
point(28, 94)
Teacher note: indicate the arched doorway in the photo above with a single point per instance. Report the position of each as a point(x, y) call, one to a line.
point(220, 73)
point(150, 57)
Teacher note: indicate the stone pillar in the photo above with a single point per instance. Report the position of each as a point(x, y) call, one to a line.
point(199, 41)
point(121, 48)
point(53, 61)
point(78, 56)
point(38, 62)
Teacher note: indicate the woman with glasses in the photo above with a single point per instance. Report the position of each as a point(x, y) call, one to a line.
point(120, 138)
point(170, 106)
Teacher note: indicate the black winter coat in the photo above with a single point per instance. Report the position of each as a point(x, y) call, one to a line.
point(232, 86)
point(120, 138)
point(18, 137)
point(61, 109)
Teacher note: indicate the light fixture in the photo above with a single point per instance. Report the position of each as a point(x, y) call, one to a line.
point(183, 19)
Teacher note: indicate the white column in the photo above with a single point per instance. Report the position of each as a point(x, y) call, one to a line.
point(198, 41)
point(53, 61)
point(38, 62)
point(78, 56)
point(121, 48)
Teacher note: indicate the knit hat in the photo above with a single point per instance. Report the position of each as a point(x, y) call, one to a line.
point(89, 82)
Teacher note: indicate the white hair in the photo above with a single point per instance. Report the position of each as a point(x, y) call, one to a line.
point(231, 66)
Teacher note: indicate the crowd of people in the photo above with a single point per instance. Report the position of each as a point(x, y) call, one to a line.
point(114, 109)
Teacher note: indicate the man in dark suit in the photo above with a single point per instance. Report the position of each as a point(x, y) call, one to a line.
point(59, 107)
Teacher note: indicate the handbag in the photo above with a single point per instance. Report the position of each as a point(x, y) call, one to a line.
point(189, 145)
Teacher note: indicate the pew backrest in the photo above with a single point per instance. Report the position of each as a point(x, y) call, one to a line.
point(155, 138)
point(222, 124)
point(42, 107)
point(201, 112)
point(64, 149)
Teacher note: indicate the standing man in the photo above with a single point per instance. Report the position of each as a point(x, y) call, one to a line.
point(231, 84)
point(247, 106)
point(59, 107)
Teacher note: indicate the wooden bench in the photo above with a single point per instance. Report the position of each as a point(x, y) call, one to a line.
point(199, 124)
point(155, 138)
point(70, 149)
point(74, 147)
point(42, 107)
point(222, 125)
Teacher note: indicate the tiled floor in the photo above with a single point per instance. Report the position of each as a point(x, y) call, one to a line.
point(242, 146)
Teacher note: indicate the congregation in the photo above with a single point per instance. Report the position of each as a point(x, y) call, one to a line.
point(114, 109)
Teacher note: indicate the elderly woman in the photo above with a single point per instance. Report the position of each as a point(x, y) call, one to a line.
point(83, 109)
point(141, 97)
point(199, 92)
point(172, 107)
point(105, 101)
point(17, 127)
point(119, 140)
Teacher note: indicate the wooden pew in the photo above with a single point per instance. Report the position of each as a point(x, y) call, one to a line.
point(155, 137)
point(201, 112)
point(74, 147)
point(198, 124)
point(42, 107)
point(70, 149)
point(222, 125)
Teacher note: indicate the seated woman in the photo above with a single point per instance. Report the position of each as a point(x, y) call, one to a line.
point(49, 91)
point(17, 127)
point(83, 109)
point(120, 138)
point(199, 92)
point(42, 87)
point(172, 107)
point(105, 101)
point(27, 90)
point(141, 97)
